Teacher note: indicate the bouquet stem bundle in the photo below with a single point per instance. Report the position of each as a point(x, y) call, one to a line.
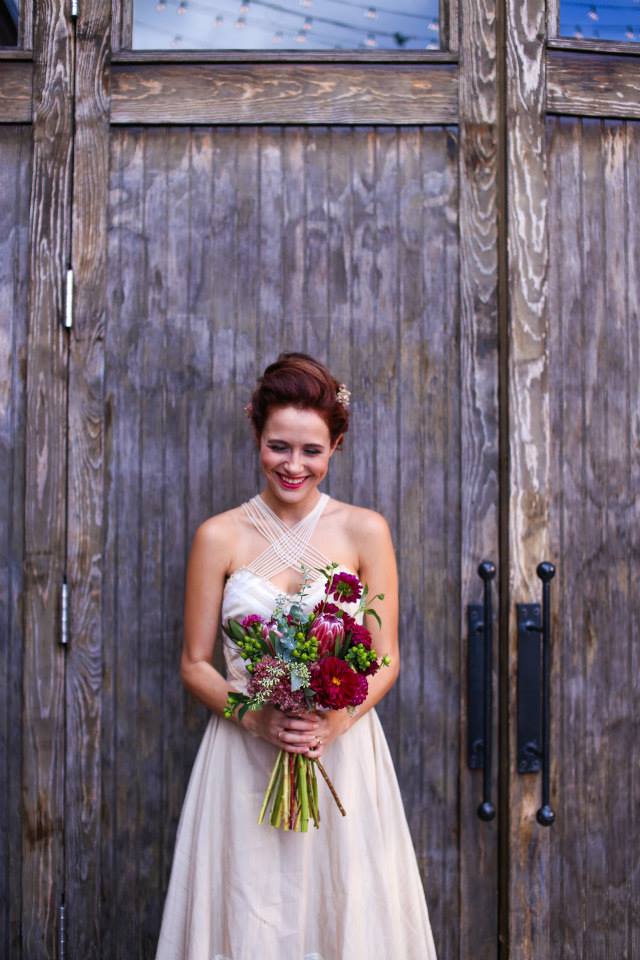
point(293, 792)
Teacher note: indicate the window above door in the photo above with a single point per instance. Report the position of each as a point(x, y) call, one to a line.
point(294, 25)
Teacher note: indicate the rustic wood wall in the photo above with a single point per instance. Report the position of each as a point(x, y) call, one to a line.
point(594, 309)
point(226, 245)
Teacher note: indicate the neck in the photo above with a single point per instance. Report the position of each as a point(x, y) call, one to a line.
point(291, 512)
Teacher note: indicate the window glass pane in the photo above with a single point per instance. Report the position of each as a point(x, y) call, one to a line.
point(9, 10)
point(285, 25)
point(605, 20)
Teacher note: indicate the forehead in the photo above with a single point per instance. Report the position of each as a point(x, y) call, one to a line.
point(295, 426)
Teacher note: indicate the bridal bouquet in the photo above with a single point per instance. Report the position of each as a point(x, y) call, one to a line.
point(304, 661)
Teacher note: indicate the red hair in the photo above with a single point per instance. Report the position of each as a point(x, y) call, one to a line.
point(297, 380)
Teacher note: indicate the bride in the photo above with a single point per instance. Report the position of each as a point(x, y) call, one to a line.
point(350, 890)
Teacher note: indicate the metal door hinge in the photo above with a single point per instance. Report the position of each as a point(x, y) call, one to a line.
point(62, 943)
point(64, 614)
point(68, 302)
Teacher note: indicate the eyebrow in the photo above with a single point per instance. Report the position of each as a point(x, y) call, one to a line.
point(309, 443)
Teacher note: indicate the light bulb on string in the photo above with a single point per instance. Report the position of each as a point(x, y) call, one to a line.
point(244, 6)
point(161, 5)
point(629, 34)
point(307, 23)
point(579, 35)
point(301, 36)
point(177, 40)
point(182, 7)
point(371, 13)
point(370, 40)
point(306, 3)
point(277, 37)
point(434, 26)
point(241, 23)
point(219, 20)
point(593, 13)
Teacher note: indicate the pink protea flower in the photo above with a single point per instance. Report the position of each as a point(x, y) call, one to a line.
point(344, 586)
point(327, 628)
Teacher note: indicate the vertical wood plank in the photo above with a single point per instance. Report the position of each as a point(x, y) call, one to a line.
point(85, 489)
point(15, 182)
point(340, 253)
point(529, 443)
point(480, 197)
point(43, 680)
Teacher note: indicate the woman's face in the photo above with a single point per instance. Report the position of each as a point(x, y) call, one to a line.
point(295, 449)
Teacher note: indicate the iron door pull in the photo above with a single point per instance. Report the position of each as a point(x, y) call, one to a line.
point(534, 688)
point(479, 699)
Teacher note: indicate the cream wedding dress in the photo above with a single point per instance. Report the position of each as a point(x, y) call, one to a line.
point(349, 890)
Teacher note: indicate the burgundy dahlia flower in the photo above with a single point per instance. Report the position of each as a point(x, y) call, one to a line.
point(345, 587)
point(336, 685)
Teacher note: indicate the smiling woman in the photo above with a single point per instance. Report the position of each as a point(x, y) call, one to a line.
point(238, 887)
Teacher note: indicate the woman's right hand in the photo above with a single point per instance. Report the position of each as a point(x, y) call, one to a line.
point(295, 733)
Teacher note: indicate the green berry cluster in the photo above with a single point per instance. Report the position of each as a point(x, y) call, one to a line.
point(252, 646)
point(306, 648)
point(360, 658)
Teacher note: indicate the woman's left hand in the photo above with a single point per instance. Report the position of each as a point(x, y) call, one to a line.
point(331, 725)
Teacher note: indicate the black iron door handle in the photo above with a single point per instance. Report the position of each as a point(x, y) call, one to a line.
point(534, 689)
point(479, 699)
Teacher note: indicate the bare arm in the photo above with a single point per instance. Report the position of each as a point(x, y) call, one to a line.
point(204, 586)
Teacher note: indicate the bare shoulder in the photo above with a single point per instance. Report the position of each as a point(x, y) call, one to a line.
point(216, 537)
point(367, 528)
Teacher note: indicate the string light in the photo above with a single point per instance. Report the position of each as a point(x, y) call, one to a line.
point(371, 13)
point(244, 6)
point(177, 40)
point(371, 40)
point(579, 35)
point(301, 36)
point(219, 20)
point(277, 37)
point(306, 3)
point(593, 13)
point(241, 22)
point(434, 26)
point(629, 34)
point(161, 5)
point(307, 23)
point(182, 7)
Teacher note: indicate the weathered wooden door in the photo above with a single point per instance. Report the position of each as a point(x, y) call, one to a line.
point(215, 208)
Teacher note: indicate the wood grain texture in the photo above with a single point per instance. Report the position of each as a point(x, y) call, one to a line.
point(83, 893)
point(45, 534)
point(15, 185)
point(478, 379)
point(593, 84)
point(16, 82)
point(225, 246)
point(275, 93)
point(594, 300)
point(529, 845)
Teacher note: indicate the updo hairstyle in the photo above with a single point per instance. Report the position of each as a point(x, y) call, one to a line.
point(296, 379)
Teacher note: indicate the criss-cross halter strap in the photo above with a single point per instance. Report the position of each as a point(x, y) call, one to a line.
point(288, 546)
